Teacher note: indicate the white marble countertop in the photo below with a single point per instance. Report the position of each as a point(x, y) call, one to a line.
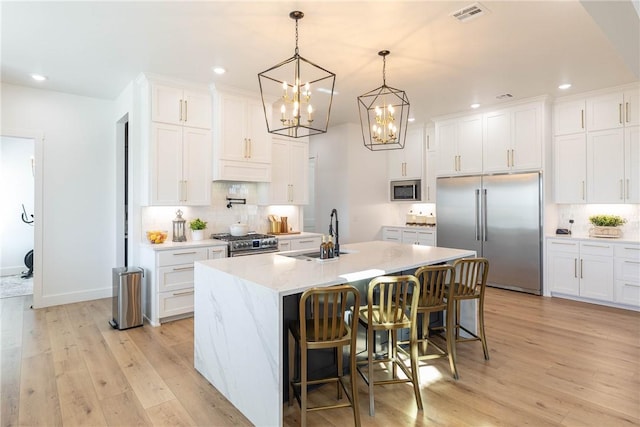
point(585, 237)
point(286, 275)
point(168, 244)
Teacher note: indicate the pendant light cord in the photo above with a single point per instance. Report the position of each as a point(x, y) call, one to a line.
point(384, 70)
point(296, 36)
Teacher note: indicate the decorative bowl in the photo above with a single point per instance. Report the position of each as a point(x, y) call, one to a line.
point(157, 236)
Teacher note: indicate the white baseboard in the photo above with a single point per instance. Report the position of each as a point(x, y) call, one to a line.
point(72, 297)
point(12, 271)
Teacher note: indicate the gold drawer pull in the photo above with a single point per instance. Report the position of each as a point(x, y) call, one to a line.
point(183, 268)
point(186, 253)
point(175, 294)
point(596, 246)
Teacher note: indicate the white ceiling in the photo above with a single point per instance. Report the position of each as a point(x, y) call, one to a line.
point(525, 48)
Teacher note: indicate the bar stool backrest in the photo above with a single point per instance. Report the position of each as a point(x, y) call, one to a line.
point(435, 281)
point(471, 277)
point(390, 298)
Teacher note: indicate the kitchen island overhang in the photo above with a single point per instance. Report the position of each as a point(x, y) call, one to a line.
point(239, 313)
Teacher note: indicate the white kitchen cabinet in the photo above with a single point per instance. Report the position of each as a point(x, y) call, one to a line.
point(419, 237)
point(242, 144)
point(168, 293)
point(430, 178)
point(390, 234)
point(613, 110)
point(175, 142)
point(570, 161)
point(632, 164)
point(512, 139)
point(627, 274)
point(289, 174)
point(605, 166)
point(179, 106)
point(410, 235)
point(569, 117)
point(408, 162)
point(580, 268)
point(299, 242)
point(180, 167)
point(459, 145)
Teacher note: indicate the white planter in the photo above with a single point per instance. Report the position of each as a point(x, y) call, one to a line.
point(197, 234)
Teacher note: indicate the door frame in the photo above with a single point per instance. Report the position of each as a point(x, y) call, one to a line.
point(38, 212)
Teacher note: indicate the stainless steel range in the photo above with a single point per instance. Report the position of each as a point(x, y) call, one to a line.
point(251, 244)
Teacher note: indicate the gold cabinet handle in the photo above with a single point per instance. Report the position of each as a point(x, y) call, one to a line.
point(575, 268)
point(185, 193)
point(182, 268)
point(627, 188)
point(512, 156)
point(185, 253)
point(626, 112)
point(620, 113)
point(582, 118)
point(175, 294)
point(180, 118)
point(508, 165)
point(250, 148)
point(581, 268)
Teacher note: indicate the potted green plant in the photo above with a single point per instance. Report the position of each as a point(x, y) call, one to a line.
point(606, 225)
point(197, 227)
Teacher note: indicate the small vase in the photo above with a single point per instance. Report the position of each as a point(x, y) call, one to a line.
point(197, 234)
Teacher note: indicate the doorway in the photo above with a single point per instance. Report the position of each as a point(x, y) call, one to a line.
point(20, 215)
point(122, 191)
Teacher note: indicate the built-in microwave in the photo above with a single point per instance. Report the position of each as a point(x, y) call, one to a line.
point(406, 191)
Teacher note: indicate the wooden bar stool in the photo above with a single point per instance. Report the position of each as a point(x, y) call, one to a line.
point(470, 283)
point(394, 310)
point(325, 327)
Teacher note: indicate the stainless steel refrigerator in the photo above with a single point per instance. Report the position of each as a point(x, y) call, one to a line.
point(498, 216)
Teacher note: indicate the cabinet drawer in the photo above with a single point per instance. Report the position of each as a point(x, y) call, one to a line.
point(175, 303)
point(310, 243)
point(284, 245)
point(175, 277)
point(627, 270)
point(182, 256)
point(602, 249)
point(627, 251)
point(391, 234)
point(217, 252)
point(627, 292)
point(563, 246)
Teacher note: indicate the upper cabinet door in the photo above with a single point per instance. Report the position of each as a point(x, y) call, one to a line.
point(196, 109)
point(234, 144)
point(166, 104)
point(447, 136)
point(166, 182)
point(497, 151)
point(605, 166)
point(605, 112)
point(470, 145)
point(259, 138)
point(569, 117)
point(570, 174)
point(196, 171)
point(526, 137)
point(632, 164)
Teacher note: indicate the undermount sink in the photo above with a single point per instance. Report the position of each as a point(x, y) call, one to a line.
point(315, 255)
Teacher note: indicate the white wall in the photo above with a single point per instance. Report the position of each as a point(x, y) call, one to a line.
point(352, 179)
point(78, 223)
point(16, 176)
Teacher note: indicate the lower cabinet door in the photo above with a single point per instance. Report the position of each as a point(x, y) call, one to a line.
point(627, 293)
point(563, 273)
point(175, 303)
point(596, 277)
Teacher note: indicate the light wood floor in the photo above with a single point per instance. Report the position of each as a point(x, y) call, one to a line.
point(553, 362)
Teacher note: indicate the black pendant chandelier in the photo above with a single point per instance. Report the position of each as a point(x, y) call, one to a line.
point(384, 115)
point(297, 95)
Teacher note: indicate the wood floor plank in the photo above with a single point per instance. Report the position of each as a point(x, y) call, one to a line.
point(124, 410)
point(11, 359)
point(39, 403)
point(149, 387)
point(78, 400)
point(169, 413)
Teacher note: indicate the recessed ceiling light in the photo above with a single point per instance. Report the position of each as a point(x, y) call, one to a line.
point(38, 77)
point(411, 119)
point(219, 70)
point(564, 86)
point(474, 106)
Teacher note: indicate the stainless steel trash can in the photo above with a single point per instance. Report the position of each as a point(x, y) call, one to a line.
point(127, 297)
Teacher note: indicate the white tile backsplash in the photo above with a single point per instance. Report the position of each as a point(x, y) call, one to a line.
point(581, 213)
point(218, 216)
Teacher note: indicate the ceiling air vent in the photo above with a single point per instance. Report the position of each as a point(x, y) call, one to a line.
point(470, 12)
point(504, 96)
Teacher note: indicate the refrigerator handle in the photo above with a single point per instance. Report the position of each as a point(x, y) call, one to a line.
point(484, 214)
point(477, 214)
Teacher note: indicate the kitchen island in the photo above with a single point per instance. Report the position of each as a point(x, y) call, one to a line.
point(239, 328)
